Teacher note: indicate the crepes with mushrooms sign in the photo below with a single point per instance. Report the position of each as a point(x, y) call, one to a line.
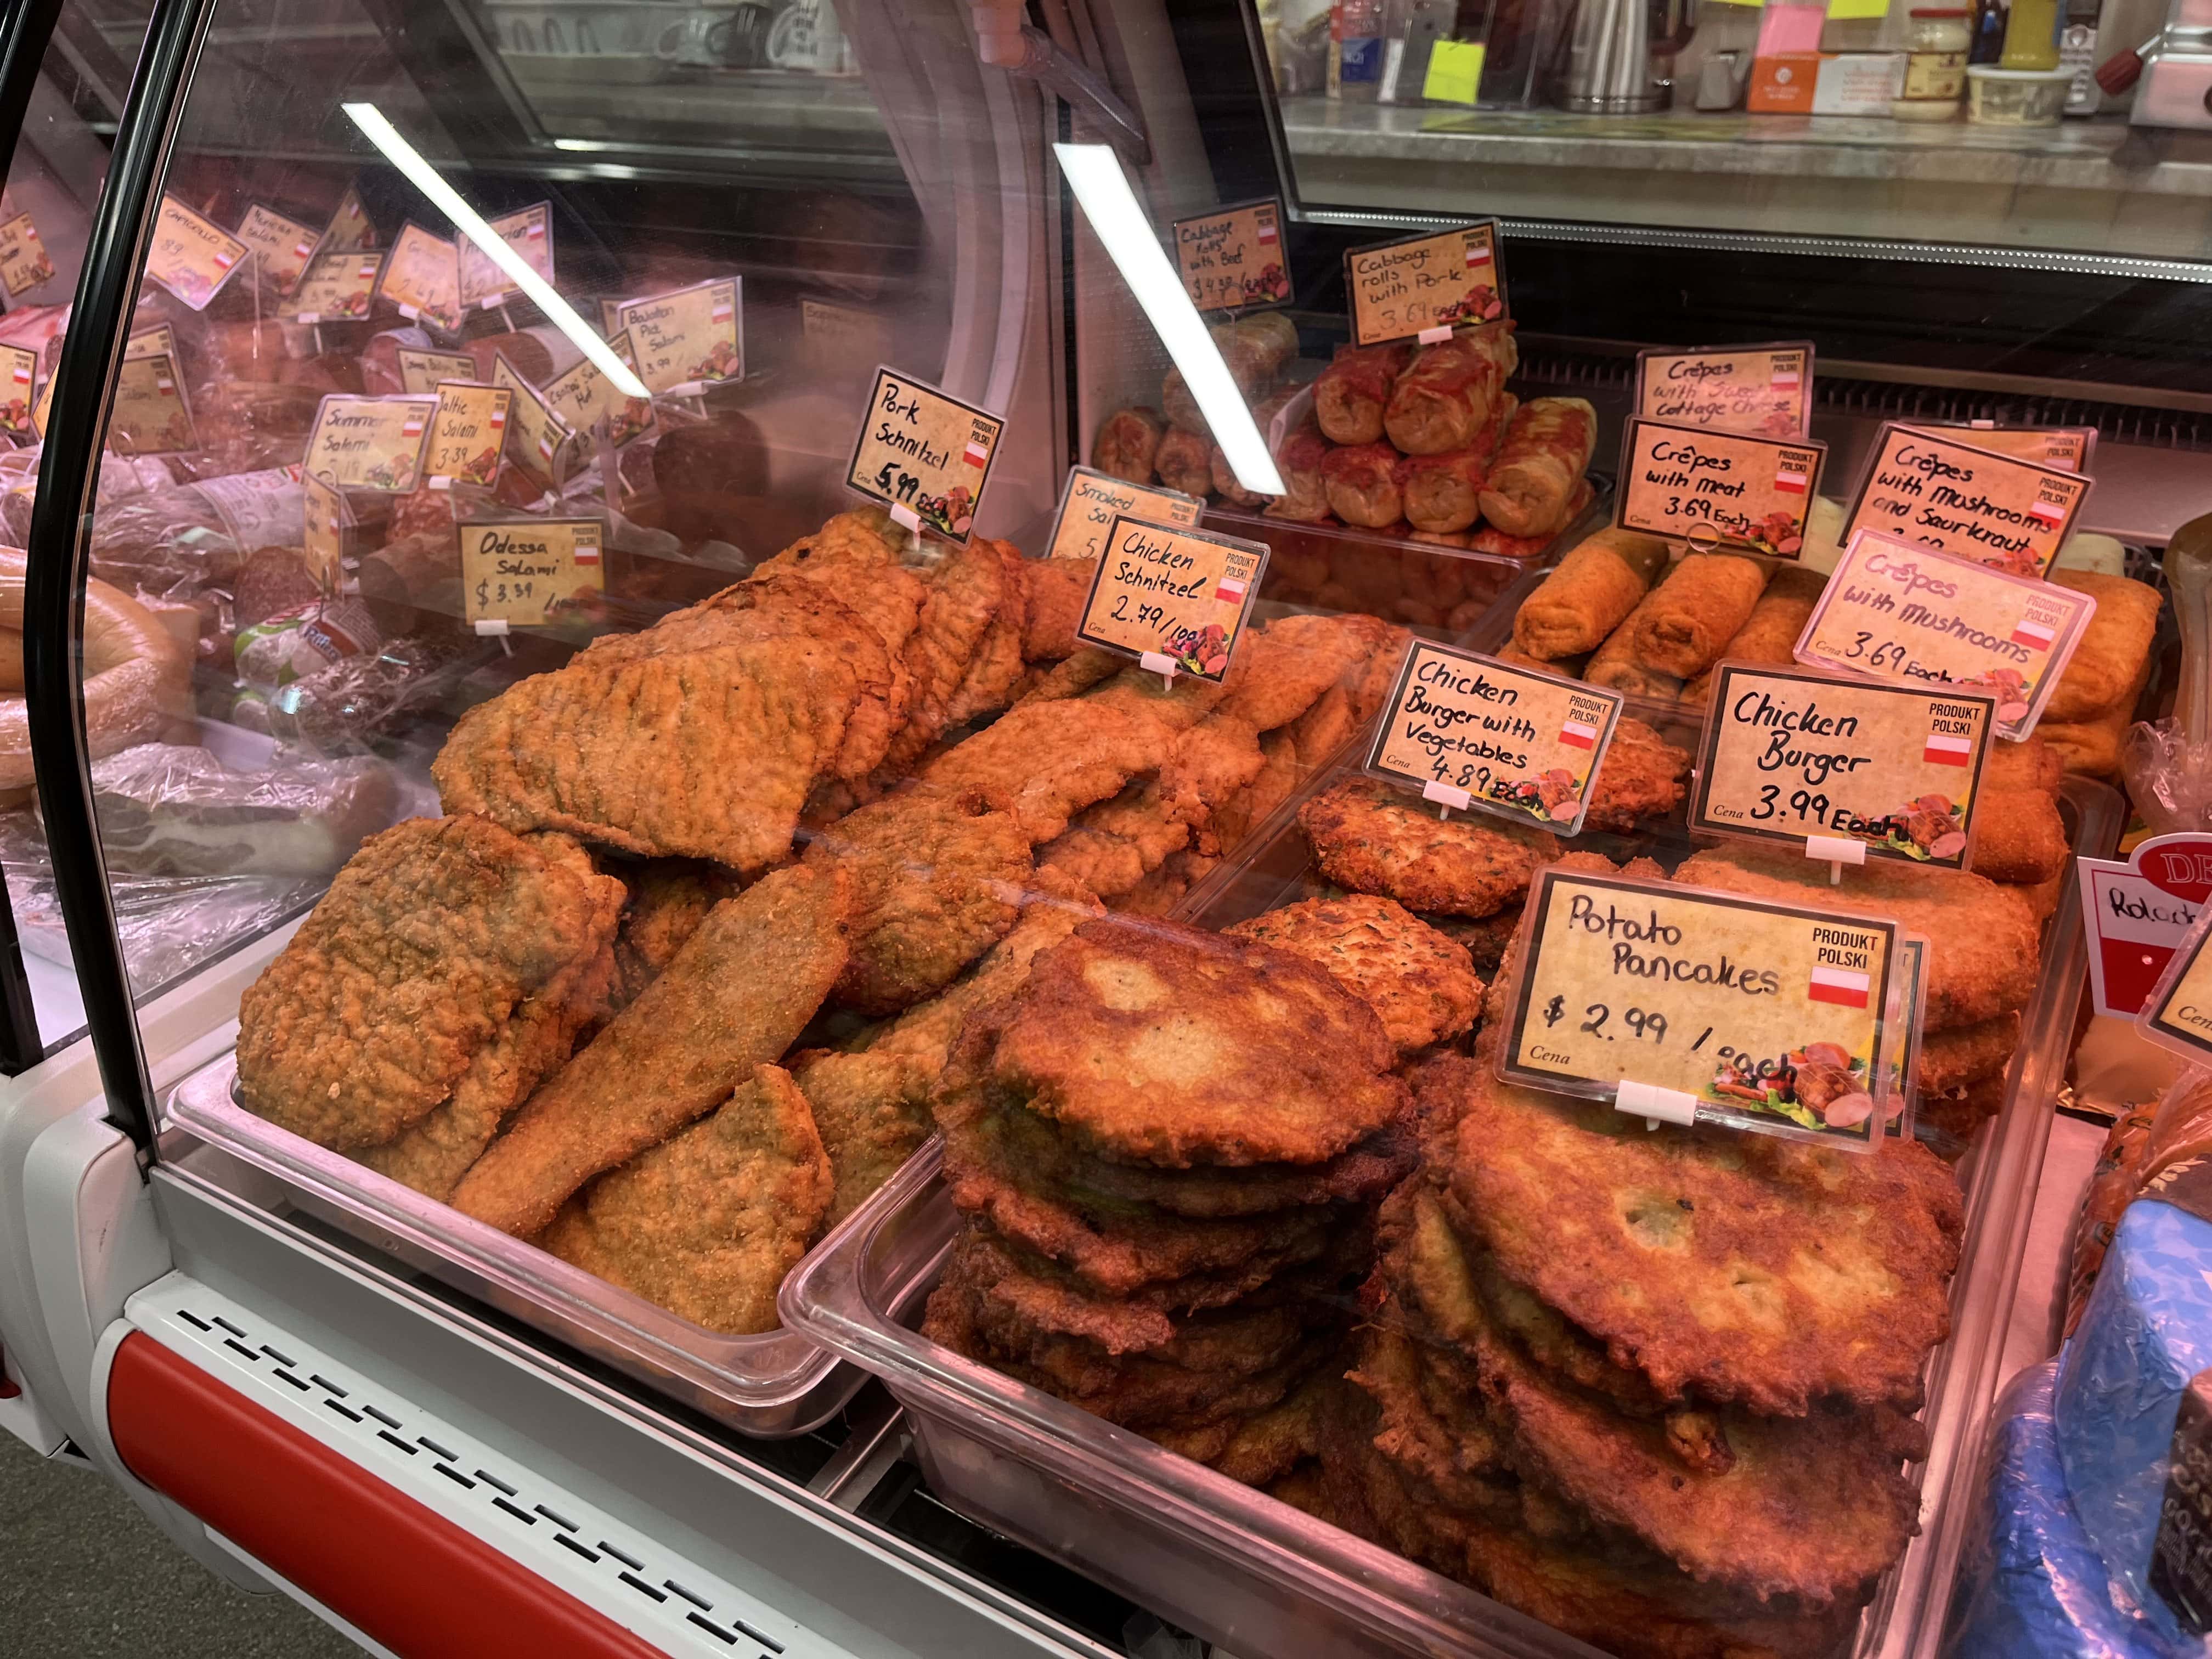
point(1772, 1017)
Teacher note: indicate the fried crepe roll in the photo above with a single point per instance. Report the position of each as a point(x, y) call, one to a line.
point(2091, 748)
point(1441, 490)
point(1127, 440)
point(1183, 462)
point(1362, 480)
point(1448, 391)
point(1596, 586)
point(1615, 664)
point(2114, 647)
point(1532, 485)
point(1685, 623)
point(1305, 497)
point(2018, 838)
point(1350, 394)
point(2031, 764)
point(1771, 636)
point(1255, 349)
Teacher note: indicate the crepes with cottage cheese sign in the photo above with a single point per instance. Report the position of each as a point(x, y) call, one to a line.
point(1467, 731)
point(924, 454)
point(1174, 599)
point(1765, 389)
point(1895, 611)
point(1973, 503)
point(1707, 1007)
point(1886, 771)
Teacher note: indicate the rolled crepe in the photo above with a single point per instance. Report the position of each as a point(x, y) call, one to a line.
point(1596, 585)
point(1689, 618)
point(1615, 664)
point(2019, 836)
point(2113, 650)
point(1539, 464)
point(1771, 634)
point(1127, 440)
point(2092, 748)
point(2026, 765)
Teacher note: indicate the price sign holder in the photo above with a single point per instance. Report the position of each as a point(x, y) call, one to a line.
point(325, 518)
point(1763, 390)
point(1091, 501)
point(524, 572)
point(1717, 490)
point(1232, 257)
point(1908, 1014)
point(2177, 1016)
point(1842, 768)
point(1472, 733)
point(1421, 286)
point(1898, 611)
point(1163, 586)
point(2136, 911)
point(924, 454)
point(1973, 503)
point(1687, 1006)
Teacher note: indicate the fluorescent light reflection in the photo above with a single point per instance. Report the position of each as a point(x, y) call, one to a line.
point(1096, 177)
point(426, 179)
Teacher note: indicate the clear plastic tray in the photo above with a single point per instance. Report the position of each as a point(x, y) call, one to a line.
point(1268, 1582)
point(773, 1385)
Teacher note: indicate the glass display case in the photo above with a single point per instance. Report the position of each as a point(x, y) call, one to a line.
point(714, 693)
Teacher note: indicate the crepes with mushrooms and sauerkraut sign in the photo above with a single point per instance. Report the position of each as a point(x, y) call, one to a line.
point(1792, 756)
point(1958, 498)
point(1769, 1016)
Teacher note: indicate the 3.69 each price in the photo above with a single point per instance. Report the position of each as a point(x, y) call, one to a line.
point(1890, 654)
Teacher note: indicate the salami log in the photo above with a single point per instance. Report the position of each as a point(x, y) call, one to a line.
point(1350, 394)
point(1542, 460)
point(1448, 391)
point(1442, 491)
point(1305, 497)
point(1363, 484)
point(1126, 443)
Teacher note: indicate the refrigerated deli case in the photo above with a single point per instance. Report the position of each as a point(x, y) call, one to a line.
point(530, 1242)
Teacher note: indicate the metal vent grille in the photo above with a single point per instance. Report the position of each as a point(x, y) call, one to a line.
point(672, 1602)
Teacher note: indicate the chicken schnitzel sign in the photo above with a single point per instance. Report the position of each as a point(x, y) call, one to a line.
point(1466, 730)
point(1176, 599)
point(1889, 772)
point(1702, 1006)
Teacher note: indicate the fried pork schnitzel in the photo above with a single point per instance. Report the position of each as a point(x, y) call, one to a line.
point(872, 1112)
point(965, 590)
point(1420, 984)
point(1054, 590)
point(1371, 837)
point(707, 1223)
point(735, 997)
point(1148, 1043)
point(669, 898)
point(400, 989)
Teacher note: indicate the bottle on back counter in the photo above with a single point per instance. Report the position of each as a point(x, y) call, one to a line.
point(1355, 50)
point(1991, 17)
point(1936, 48)
point(2031, 36)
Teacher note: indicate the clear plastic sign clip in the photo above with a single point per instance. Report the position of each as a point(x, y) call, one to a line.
point(1836, 852)
point(1435, 335)
point(491, 625)
point(906, 518)
point(1654, 1104)
point(1447, 798)
point(1158, 662)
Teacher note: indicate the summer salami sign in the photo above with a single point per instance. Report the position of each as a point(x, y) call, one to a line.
point(370, 443)
point(1972, 503)
point(1718, 490)
point(1766, 391)
point(1788, 754)
point(923, 453)
point(1468, 732)
point(1704, 1006)
point(1175, 599)
point(1233, 257)
point(1422, 286)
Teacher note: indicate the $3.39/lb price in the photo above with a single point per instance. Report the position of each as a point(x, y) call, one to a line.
point(1768, 1017)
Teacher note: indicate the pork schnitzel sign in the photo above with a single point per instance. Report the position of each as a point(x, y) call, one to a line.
point(1467, 731)
point(1891, 772)
point(1703, 1006)
point(924, 454)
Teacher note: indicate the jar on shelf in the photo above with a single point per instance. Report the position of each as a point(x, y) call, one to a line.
point(1936, 47)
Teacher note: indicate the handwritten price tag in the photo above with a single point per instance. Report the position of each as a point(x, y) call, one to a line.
point(423, 279)
point(284, 245)
point(323, 511)
point(688, 340)
point(1787, 754)
point(1898, 611)
point(1175, 599)
point(349, 230)
point(1233, 257)
point(23, 261)
point(1766, 390)
point(154, 343)
point(148, 415)
point(535, 431)
point(370, 443)
point(1772, 1017)
point(190, 255)
point(1470, 732)
point(924, 454)
point(335, 286)
point(526, 574)
point(844, 338)
point(583, 396)
point(420, 372)
point(2136, 911)
point(467, 433)
point(1718, 490)
point(530, 233)
point(1091, 501)
point(1405, 288)
point(1970, 501)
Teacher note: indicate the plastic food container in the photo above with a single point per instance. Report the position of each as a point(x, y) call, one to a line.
point(2015, 98)
point(773, 1385)
point(1237, 1568)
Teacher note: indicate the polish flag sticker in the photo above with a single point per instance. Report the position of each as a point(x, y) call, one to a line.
point(301, 250)
point(536, 233)
point(1788, 477)
point(722, 311)
point(2046, 514)
point(498, 419)
point(1230, 591)
point(23, 375)
point(587, 553)
point(224, 261)
point(2035, 636)
point(1943, 749)
point(546, 445)
point(164, 385)
point(1578, 734)
point(1840, 986)
point(412, 426)
point(976, 454)
point(1477, 254)
point(1268, 234)
point(1787, 378)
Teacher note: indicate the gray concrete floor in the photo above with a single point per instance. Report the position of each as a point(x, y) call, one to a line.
point(85, 1575)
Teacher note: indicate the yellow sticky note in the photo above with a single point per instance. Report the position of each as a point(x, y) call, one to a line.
point(1455, 71)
